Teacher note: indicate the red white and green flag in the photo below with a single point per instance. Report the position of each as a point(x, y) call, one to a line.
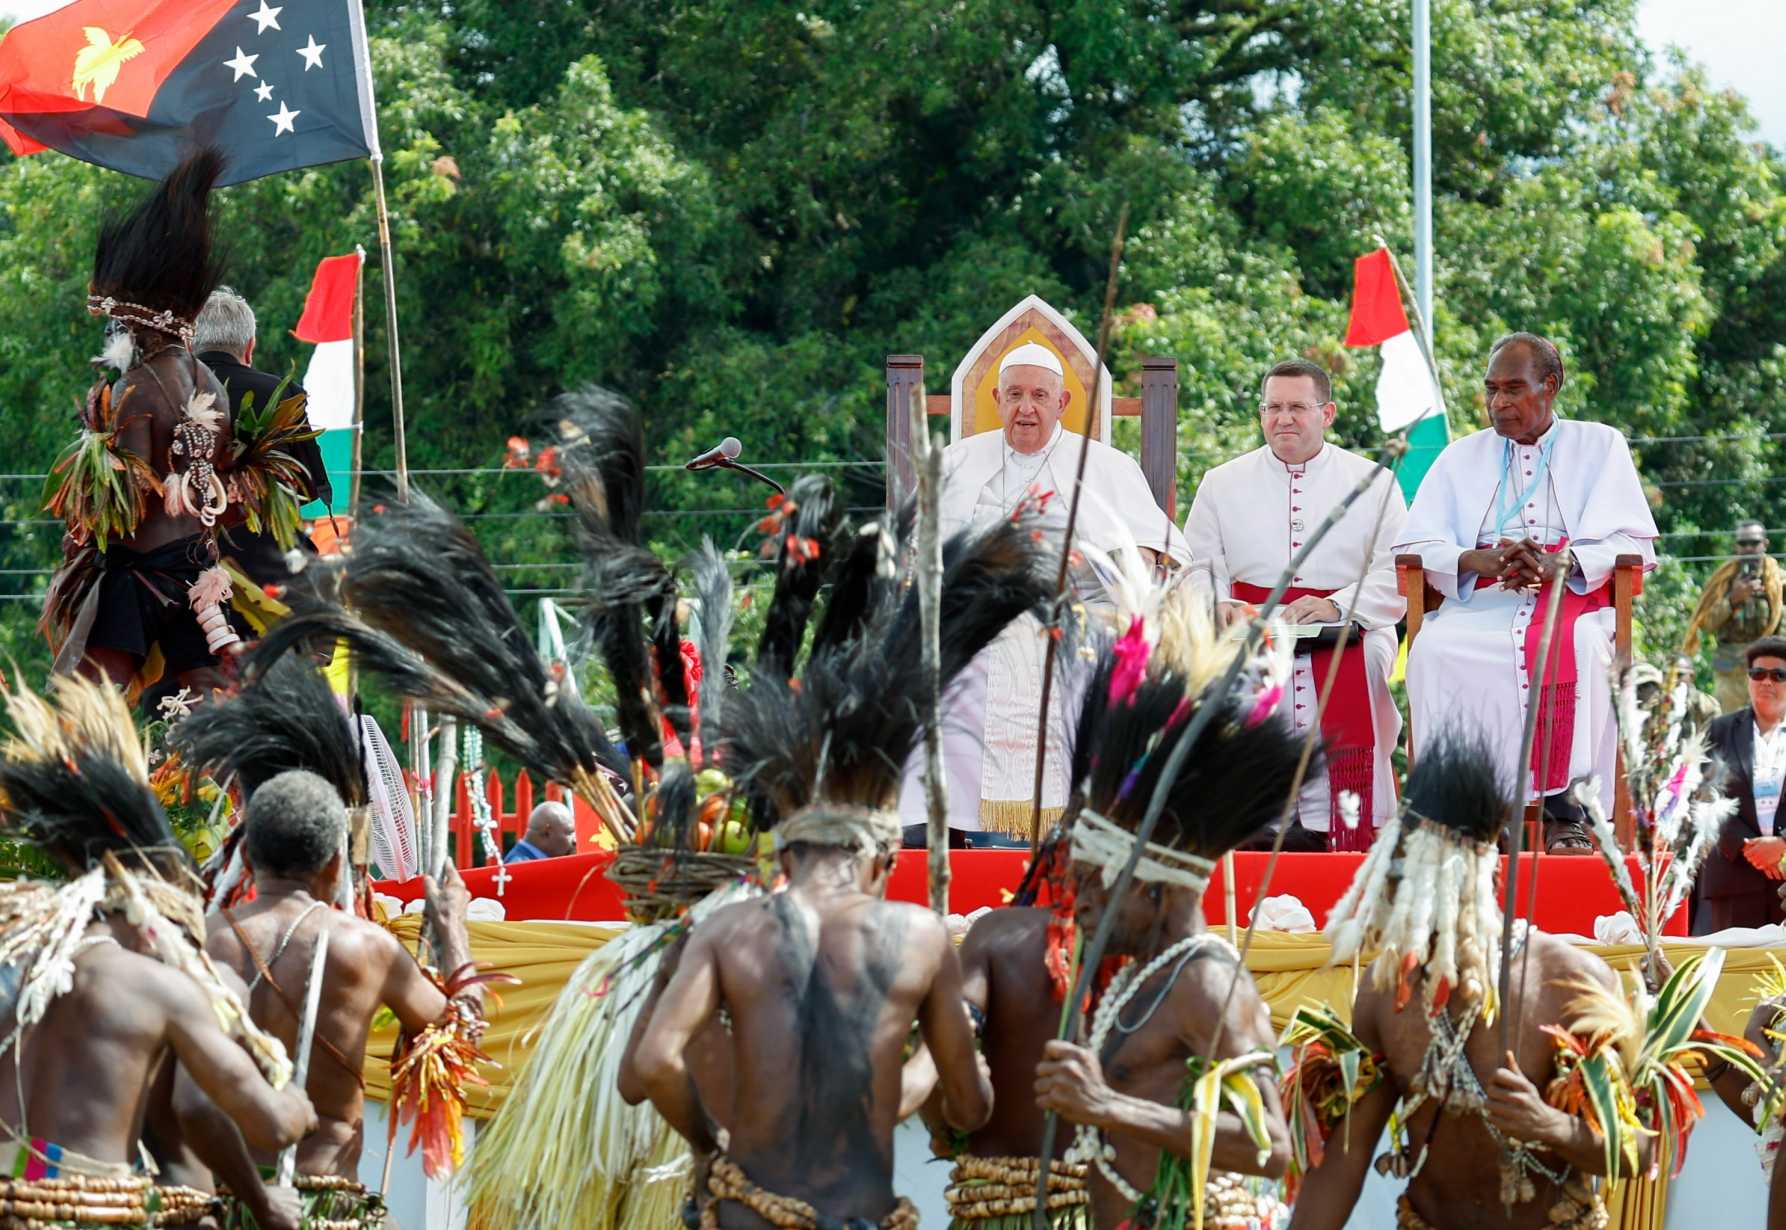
point(135, 85)
point(1408, 396)
point(327, 322)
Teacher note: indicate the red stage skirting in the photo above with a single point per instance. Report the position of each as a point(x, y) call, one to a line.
point(1572, 890)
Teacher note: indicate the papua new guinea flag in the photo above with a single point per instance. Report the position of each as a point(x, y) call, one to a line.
point(133, 85)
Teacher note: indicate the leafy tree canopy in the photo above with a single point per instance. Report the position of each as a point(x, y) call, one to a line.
point(734, 211)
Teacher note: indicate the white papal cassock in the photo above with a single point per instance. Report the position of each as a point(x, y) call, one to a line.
point(991, 714)
point(1250, 515)
point(1475, 661)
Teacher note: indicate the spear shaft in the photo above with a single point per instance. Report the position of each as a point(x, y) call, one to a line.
point(1066, 545)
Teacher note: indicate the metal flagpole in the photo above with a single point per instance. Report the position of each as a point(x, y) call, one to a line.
point(1423, 164)
point(359, 383)
point(390, 308)
point(420, 777)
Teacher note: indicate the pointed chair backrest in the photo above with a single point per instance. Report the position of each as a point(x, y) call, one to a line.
point(970, 408)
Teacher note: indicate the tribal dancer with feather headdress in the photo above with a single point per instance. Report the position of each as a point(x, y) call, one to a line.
point(1016, 967)
point(159, 468)
point(817, 1083)
point(420, 607)
point(1594, 1089)
point(1018, 962)
point(142, 487)
point(1165, 1131)
point(299, 758)
point(105, 981)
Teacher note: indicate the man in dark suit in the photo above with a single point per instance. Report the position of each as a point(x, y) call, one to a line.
point(1736, 885)
point(224, 342)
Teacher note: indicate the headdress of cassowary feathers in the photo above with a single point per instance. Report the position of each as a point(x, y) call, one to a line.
point(155, 266)
point(1425, 897)
point(1231, 785)
point(421, 608)
point(628, 594)
point(807, 524)
point(288, 719)
point(833, 742)
point(74, 781)
point(631, 597)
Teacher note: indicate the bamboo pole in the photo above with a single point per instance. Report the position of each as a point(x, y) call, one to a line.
point(445, 780)
point(1215, 696)
point(1066, 543)
point(928, 461)
point(1521, 783)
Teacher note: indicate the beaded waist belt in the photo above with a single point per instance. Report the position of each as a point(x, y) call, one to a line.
point(76, 1200)
point(725, 1181)
point(1237, 1203)
point(988, 1188)
point(330, 1202)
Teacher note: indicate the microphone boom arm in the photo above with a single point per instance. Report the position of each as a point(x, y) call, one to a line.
point(761, 477)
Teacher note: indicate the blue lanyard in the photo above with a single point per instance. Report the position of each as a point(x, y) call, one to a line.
point(1504, 514)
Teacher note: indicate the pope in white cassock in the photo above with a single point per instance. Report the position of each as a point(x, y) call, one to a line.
point(1250, 515)
point(1491, 507)
point(992, 712)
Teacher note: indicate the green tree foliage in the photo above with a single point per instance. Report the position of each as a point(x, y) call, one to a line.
point(734, 211)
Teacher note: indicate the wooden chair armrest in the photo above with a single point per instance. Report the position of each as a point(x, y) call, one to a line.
point(1410, 574)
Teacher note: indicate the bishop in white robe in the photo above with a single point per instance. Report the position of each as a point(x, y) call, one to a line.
point(1250, 516)
point(1493, 505)
point(991, 713)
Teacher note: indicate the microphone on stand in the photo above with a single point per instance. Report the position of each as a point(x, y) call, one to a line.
point(725, 451)
point(724, 456)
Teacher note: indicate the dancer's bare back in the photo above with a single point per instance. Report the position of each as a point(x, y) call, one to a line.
point(81, 1075)
point(367, 967)
point(1460, 1183)
point(821, 990)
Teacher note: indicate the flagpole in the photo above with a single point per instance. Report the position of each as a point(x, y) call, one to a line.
point(418, 714)
point(359, 382)
point(1423, 160)
point(390, 304)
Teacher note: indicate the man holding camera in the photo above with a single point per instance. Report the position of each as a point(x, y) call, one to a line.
point(1740, 605)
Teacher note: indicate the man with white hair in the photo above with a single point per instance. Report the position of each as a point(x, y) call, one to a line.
point(223, 339)
point(991, 715)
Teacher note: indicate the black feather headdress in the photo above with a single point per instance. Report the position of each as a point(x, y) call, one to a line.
point(861, 583)
point(159, 258)
point(74, 780)
point(1424, 898)
point(628, 594)
point(288, 719)
point(806, 526)
point(421, 608)
point(710, 585)
point(842, 731)
point(1231, 786)
point(1457, 784)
